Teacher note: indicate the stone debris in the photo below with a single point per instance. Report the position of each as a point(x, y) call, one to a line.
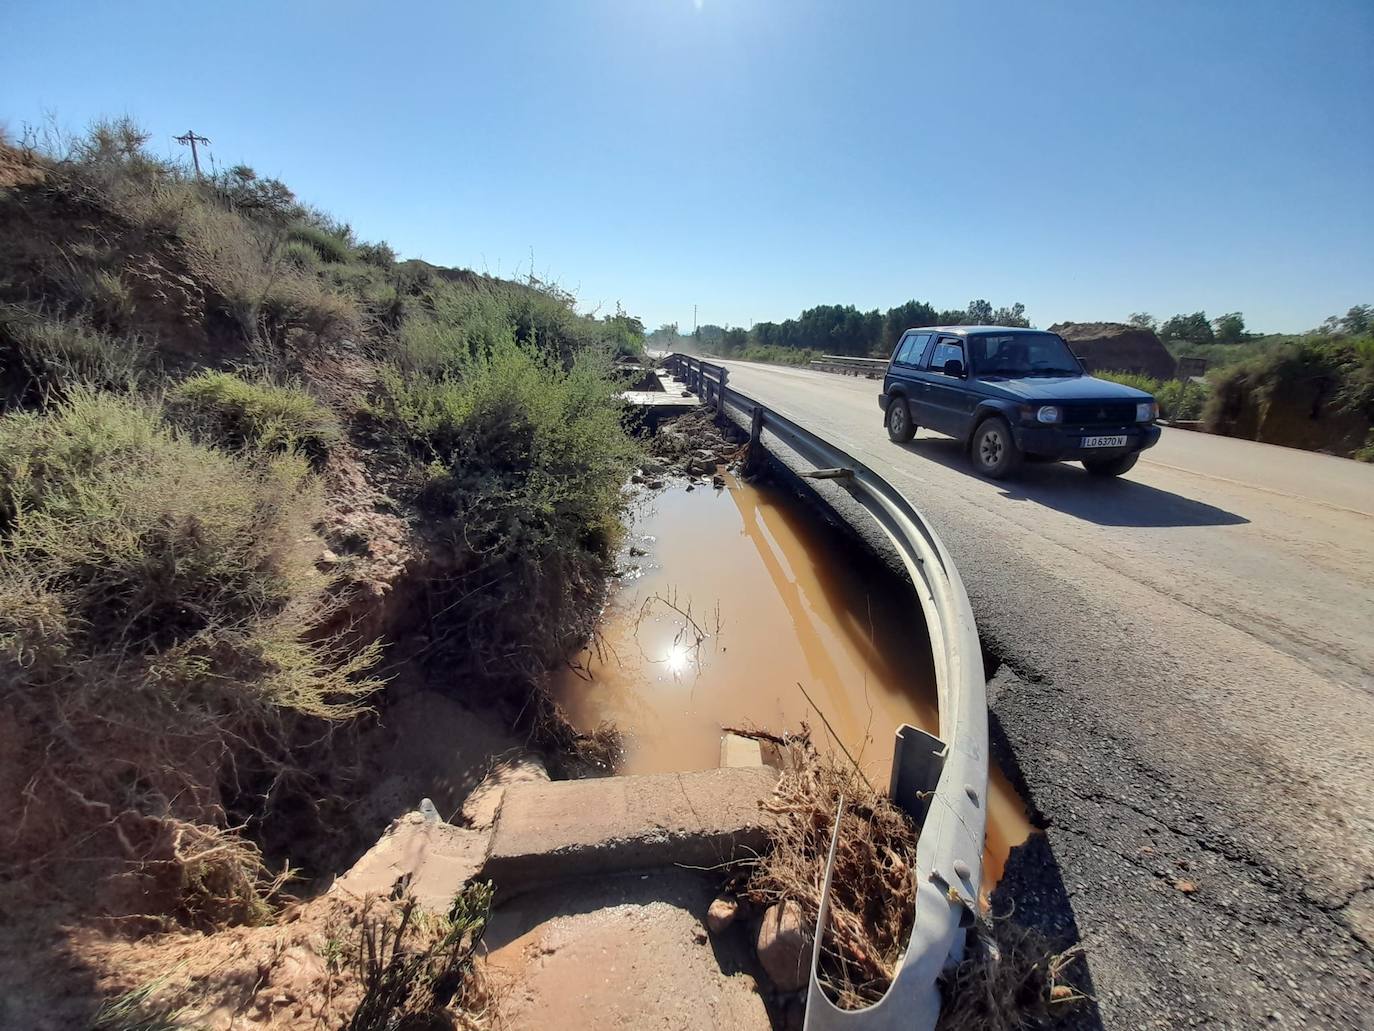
point(783, 948)
point(721, 914)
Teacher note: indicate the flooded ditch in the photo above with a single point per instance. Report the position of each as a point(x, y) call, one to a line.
point(738, 602)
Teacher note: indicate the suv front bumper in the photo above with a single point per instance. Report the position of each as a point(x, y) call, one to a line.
point(1065, 443)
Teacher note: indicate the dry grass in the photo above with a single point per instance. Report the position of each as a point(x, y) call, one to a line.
point(872, 898)
point(574, 753)
point(1013, 977)
point(1018, 980)
point(333, 964)
point(157, 603)
point(418, 971)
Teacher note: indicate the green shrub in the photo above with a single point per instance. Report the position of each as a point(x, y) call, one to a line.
point(1179, 400)
point(1348, 365)
point(1333, 374)
point(151, 544)
point(777, 355)
point(42, 359)
point(379, 254)
point(1366, 453)
point(1132, 379)
point(298, 311)
point(327, 245)
point(242, 415)
point(301, 256)
point(159, 606)
point(522, 461)
point(1182, 400)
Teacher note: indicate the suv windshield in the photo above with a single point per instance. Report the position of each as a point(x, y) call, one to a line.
point(1022, 354)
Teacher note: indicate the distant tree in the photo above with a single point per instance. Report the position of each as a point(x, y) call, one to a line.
point(901, 318)
point(1194, 328)
point(733, 340)
point(979, 313)
point(1144, 320)
point(264, 198)
point(1230, 328)
point(624, 332)
point(1358, 320)
point(1013, 316)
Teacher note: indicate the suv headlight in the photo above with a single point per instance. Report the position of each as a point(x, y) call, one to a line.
point(1050, 413)
point(1147, 411)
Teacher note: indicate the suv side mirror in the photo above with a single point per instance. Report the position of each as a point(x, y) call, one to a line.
point(954, 367)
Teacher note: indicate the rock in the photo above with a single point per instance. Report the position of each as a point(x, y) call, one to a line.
point(654, 484)
point(637, 478)
point(718, 481)
point(636, 551)
point(328, 559)
point(783, 947)
point(691, 486)
point(721, 914)
point(652, 468)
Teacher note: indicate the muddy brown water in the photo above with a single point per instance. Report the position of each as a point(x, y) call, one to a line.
point(742, 594)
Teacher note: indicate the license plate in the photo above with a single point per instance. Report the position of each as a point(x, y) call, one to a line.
point(1117, 441)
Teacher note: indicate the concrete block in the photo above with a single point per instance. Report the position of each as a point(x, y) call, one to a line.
point(571, 828)
point(438, 858)
point(737, 750)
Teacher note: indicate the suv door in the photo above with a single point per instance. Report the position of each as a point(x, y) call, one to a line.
point(904, 371)
point(947, 397)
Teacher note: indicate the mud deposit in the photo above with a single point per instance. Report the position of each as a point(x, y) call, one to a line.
point(732, 601)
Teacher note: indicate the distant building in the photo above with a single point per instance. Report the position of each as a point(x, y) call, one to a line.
point(1117, 347)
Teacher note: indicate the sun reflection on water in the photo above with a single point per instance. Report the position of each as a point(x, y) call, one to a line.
point(677, 658)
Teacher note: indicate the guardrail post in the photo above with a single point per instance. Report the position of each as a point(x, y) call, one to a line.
point(720, 391)
point(753, 458)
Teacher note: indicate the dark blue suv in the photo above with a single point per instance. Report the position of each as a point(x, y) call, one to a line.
point(1013, 394)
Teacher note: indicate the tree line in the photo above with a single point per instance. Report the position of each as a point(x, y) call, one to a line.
point(1197, 328)
point(843, 328)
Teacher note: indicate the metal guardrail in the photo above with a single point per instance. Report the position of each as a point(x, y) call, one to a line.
point(942, 779)
point(844, 363)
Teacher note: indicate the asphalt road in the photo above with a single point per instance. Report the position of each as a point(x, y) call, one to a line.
point(1192, 705)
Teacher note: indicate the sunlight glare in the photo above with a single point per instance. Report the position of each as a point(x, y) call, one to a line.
point(677, 658)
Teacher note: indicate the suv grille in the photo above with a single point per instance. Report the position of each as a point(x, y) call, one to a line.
point(1100, 414)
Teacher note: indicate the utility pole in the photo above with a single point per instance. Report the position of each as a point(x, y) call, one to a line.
point(694, 320)
point(192, 139)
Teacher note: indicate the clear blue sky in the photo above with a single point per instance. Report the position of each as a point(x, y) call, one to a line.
point(760, 156)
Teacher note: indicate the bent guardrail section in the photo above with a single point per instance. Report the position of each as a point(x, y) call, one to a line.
point(941, 778)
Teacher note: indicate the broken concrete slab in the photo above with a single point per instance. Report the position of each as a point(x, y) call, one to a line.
point(739, 751)
point(563, 829)
point(438, 858)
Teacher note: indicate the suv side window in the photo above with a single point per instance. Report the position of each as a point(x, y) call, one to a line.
point(912, 346)
point(947, 348)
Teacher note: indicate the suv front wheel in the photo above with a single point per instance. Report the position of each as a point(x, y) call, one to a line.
point(993, 450)
point(899, 425)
